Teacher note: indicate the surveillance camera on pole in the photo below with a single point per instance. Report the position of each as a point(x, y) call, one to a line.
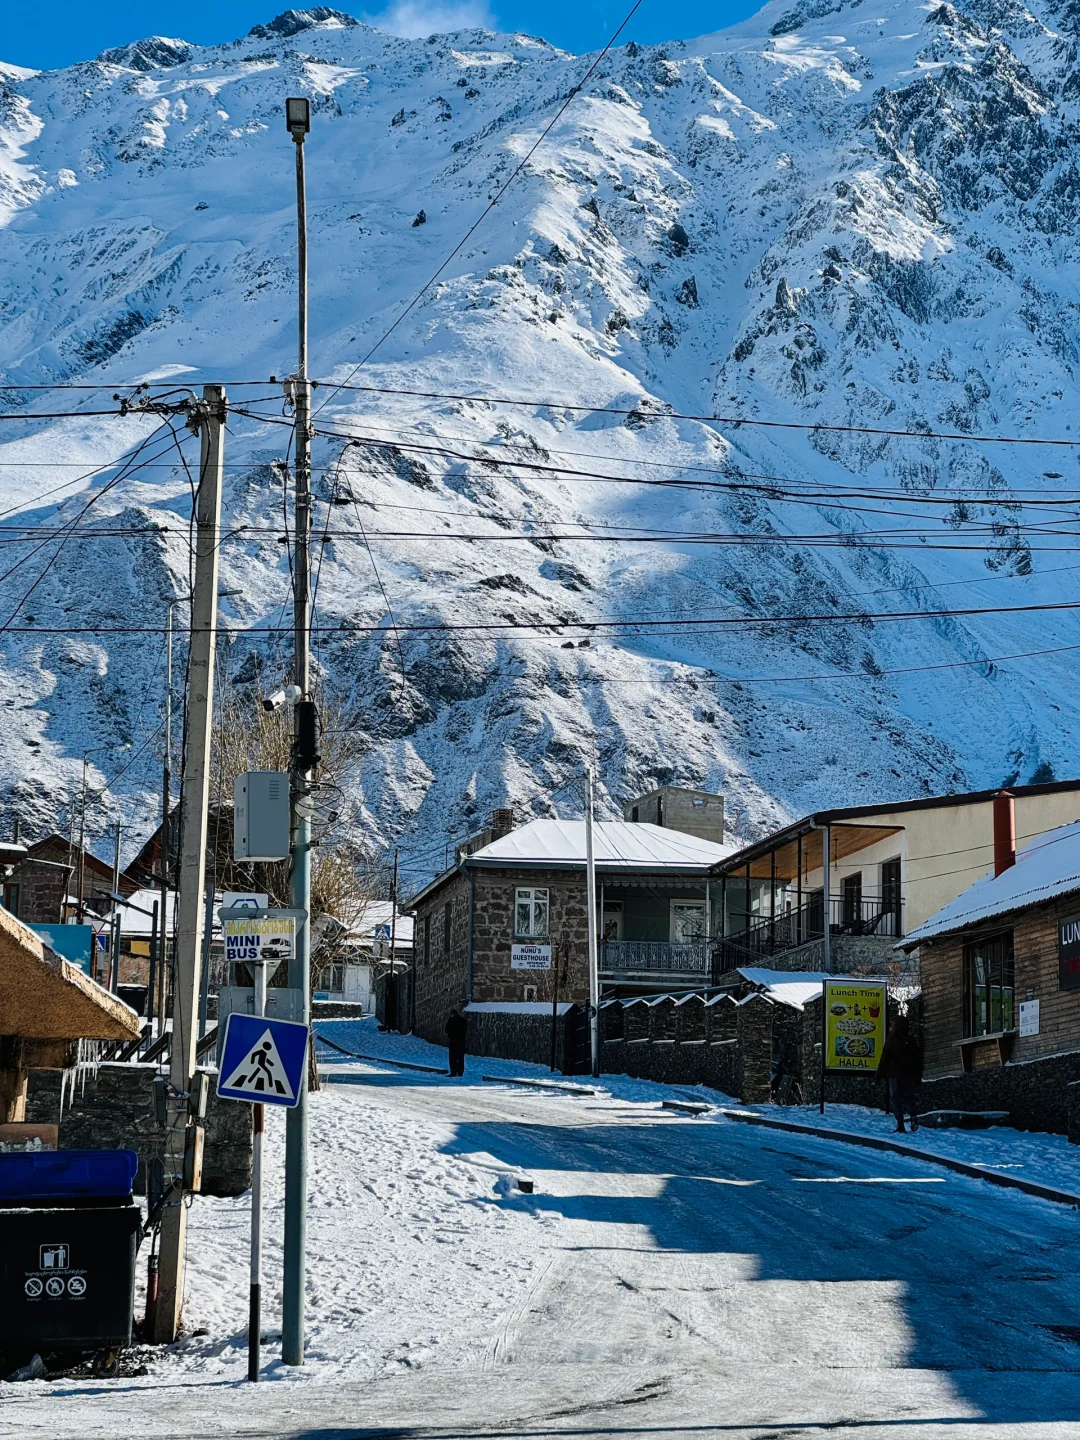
point(289, 695)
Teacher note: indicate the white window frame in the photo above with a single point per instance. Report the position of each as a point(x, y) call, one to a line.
point(698, 905)
point(538, 899)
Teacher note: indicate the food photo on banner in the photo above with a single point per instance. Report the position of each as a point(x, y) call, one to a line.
point(854, 1025)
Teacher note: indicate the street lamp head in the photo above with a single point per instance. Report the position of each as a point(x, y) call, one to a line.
point(298, 117)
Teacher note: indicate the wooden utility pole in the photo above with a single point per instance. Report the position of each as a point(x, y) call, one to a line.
point(166, 843)
point(208, 420)
point(590, 909)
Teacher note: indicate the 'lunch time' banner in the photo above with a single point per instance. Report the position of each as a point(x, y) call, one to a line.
point(854, 1025)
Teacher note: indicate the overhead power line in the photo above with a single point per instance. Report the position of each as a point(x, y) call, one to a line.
point(556, 626)
point(518, 169)
point(666, 414)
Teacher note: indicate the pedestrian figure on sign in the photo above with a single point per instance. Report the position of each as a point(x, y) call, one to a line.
point(262, 1076)
point(901, 1065)
point(457, 1028)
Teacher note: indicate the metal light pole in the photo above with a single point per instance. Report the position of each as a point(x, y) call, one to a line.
point(590, 903)
point(298, 121)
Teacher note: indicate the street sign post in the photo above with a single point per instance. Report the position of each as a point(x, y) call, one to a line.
point(262, 1060)
point(853, 1026)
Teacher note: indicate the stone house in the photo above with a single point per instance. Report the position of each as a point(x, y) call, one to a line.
point(1000, 967)
point(507, 923)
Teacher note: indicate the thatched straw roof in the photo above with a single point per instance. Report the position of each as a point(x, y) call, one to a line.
point(44, 997)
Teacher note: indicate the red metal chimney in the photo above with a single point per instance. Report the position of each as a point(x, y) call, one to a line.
point(1004, 832)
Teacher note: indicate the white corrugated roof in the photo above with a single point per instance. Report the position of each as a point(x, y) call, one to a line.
point(793, 987)
point(1047, 867)
point(617, 845)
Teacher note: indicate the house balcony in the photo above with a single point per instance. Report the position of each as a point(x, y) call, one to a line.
point(655, 959)
point(864, 928)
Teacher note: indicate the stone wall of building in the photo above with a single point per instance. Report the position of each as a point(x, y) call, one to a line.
point(441, 970)
point(493, 935)
point(115, 1110)
point(41, 888)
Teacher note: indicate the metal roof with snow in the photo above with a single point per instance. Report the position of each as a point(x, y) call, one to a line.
point(1048, 867)
point(617, 845)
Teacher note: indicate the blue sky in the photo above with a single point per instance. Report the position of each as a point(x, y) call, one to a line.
point(44, 36)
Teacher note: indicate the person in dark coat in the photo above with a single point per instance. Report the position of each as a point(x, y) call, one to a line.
point(457, 1028)
point(901, 1065)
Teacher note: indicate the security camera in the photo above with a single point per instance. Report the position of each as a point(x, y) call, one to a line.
point(288, 696)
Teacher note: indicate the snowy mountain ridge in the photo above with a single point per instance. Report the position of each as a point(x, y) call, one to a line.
point(831, 214)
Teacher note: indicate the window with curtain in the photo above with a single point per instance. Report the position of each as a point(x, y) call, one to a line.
point(989, 985)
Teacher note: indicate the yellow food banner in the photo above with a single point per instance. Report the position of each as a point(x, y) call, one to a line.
point(854, 1025)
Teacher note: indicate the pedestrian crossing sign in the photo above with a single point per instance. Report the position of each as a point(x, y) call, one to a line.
point(262, 1060)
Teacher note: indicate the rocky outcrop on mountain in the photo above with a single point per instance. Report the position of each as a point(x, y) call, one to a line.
point(857, 227)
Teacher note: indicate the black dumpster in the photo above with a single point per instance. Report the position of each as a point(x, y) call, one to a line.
point(69, 1233)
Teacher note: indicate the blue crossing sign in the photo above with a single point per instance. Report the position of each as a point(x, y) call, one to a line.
point(262, 1060)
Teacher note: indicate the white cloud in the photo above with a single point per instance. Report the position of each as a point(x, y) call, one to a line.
point(414, 19)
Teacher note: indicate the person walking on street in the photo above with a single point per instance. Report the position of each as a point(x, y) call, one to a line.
point(901, 1065)
point(457, 1028)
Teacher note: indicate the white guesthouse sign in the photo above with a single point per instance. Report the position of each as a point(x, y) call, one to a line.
point(530, 957)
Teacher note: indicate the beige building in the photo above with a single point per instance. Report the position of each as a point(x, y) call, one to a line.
point(890, 868)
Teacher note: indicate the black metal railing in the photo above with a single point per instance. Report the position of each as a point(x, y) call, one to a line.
point(848, 915)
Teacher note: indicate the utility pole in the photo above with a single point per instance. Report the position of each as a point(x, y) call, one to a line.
point(166, 805)
point(82, 842)
point(590, 902)
point(208, 419)
point(298, 121)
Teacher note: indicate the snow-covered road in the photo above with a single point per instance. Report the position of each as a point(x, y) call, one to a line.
point(669, 1276)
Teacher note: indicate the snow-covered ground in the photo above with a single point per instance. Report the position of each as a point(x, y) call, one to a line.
point(668, 1272)
point(1045, 1159)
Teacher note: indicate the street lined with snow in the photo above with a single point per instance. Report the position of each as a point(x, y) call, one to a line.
point(668, 1274)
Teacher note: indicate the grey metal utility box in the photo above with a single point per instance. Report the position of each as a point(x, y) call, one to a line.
point(261, 816)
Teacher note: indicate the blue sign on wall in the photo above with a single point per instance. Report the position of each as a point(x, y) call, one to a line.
point(73, 942)
point(262, 1060)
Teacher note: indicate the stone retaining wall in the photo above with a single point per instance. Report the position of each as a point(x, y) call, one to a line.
point(115, 1110)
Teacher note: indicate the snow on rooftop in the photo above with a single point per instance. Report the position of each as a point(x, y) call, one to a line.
point(617, 844)
point(791, 987)
point(1049, 866)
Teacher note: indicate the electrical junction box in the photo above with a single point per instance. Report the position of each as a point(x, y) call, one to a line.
point(261, 816)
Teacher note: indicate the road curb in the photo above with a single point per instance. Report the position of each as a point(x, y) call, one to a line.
point(878, 1142)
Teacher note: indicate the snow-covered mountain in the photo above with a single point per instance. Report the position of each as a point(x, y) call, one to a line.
point(837, 214)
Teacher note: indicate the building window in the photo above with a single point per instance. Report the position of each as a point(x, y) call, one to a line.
point(531, 913)
point(11, 899)
point(447, 920)
point(989, 985)
point(332, 978)
point(687, 921)
point(427, 938)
